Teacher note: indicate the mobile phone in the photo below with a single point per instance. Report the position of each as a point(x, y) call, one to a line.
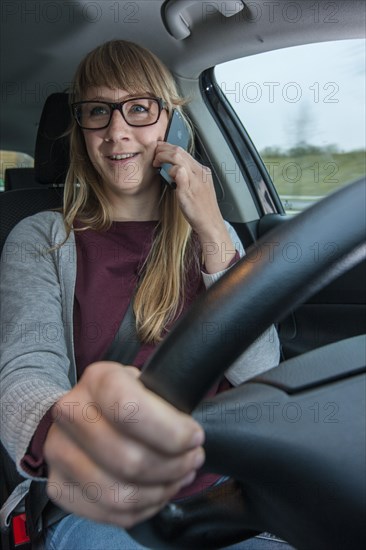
point(177, 133)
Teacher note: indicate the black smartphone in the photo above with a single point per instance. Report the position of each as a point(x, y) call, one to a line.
point(177, 133)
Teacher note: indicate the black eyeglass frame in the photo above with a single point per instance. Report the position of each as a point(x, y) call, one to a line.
point(119, 107)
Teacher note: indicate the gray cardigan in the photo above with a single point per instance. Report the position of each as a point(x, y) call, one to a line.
point(37, 351)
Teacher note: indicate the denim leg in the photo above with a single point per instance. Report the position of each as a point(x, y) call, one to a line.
point(264, 541)
point(76, 533)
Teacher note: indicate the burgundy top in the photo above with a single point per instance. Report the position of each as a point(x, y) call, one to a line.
point(108, 267)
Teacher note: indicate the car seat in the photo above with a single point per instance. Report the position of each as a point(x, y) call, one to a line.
point(19, 178)
point(51, 161)
point(49, 173)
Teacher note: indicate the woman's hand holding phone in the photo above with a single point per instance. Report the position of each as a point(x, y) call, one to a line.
point(196, 195)
point(177, 134)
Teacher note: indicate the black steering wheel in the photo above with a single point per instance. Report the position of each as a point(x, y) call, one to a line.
point(300, 478)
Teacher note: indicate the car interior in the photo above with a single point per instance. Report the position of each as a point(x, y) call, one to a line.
point(291, 439)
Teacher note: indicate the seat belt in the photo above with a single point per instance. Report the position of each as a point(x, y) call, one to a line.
point(41, 512)
point(126, 343)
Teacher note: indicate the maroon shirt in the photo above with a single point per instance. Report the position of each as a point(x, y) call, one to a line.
point(109, 264)
point(108, 268)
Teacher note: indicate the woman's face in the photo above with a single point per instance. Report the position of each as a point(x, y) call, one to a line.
point(123, 154)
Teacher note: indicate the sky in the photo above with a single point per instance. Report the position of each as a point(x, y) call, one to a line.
point(314, 93)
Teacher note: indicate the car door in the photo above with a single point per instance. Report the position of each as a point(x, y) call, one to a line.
point(296, 129)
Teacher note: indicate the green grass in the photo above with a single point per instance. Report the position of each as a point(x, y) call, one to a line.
point(314, 173)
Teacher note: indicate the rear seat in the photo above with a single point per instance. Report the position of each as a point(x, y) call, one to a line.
point(20, 178)
point(51, 158)
point(40, 188)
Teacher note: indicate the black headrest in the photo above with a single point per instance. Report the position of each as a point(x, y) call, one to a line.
point(51, 158)
point(19, 178)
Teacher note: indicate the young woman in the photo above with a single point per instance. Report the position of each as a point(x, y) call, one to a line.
point(111, 451)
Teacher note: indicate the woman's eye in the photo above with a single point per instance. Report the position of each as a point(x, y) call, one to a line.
point(138, 109)
point(99, 110)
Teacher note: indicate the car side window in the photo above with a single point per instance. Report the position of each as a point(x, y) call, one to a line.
point(304, 109)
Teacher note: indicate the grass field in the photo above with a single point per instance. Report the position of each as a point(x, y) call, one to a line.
point(314, 174)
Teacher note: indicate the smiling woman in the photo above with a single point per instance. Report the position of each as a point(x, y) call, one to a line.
point(157, 250)
point(121, 148)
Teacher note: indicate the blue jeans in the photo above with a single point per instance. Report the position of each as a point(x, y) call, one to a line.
point(75, 533)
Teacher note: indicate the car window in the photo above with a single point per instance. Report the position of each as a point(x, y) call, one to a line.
point(304, 109)
point(13, 159)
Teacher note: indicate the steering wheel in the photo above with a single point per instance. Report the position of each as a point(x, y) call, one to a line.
point(298, 475)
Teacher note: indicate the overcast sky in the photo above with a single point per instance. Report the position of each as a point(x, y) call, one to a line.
point(314, 93)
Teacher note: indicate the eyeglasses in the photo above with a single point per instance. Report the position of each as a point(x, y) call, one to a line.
point(96, 115)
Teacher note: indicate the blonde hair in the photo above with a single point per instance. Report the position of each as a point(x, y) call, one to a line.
point(159, 296)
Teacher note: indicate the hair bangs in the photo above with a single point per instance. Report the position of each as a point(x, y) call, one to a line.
point(119, 64)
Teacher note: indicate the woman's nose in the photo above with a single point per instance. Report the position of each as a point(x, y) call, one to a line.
point(118, 127)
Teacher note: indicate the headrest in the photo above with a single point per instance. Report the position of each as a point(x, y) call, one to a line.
point(19, 178)
point(51, 158)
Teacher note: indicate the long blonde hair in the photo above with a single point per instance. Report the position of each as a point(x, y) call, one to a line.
point(160, 293)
